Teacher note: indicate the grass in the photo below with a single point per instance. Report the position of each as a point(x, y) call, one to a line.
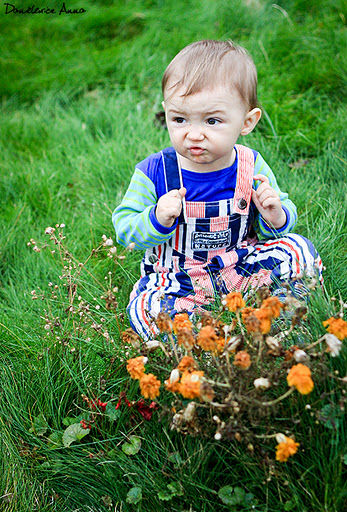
point(79, 95)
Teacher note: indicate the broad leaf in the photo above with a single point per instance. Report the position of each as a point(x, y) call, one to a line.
point(330, 415)
point(133, 446)
point(176, 488)
point(165, 495)
point(226, 494)
point(55, 440)
point(175, 458)
point(40, 425)
point(134, 495)
point(232, 496)
point(70, 420)
point(74, 433)
point(112, 412)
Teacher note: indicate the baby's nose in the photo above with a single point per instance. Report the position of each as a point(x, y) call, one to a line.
point(196, 132)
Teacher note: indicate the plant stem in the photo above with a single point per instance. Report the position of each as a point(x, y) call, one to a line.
point(280, 398)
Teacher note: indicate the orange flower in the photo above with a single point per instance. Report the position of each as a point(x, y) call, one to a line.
point(187, 363)
point(129, 337)
point(251, 322)
point(246, 312)
point(336, 326)
point(286, 448)
point(190, 384)
point(274, 305)
point(264, 317)
point(164, 322)
point(242, 360)
point(149, 385)
point(135, 366)
point(185, 337)
point(299, 376)
point(208, 339)
point(181, 321)
point(234, 301)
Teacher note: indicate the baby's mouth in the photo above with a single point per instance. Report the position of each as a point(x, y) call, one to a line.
point(196, 150)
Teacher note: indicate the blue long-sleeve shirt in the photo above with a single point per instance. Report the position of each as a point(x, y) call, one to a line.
point(135, 221)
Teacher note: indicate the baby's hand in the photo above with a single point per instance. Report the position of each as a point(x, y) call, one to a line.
point(169, 207)
point(268, 203)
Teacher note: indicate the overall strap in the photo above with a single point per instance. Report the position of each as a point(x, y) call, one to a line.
point(172, 175)
point(244, 180)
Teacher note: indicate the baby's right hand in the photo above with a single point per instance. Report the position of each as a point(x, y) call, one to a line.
point(169, 207)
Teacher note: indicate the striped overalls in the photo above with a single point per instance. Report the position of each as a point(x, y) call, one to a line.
point(212, 252)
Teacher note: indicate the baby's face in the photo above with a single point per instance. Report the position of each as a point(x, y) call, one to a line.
point(204, 126)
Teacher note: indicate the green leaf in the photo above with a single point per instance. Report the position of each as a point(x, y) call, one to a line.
point(40, 425)
point(176, 488)
point(175, 458)
point(226, 494)
point(133, 446)
point(345, 459)
point(249, 498)
point(289, 505)
point(55, 440)
point(69, 420)
point(112, 412)
point(74, 433)
point(329, 415)
point(232, 496)
point(239, 496)
point(134, 495)
point(165, 495)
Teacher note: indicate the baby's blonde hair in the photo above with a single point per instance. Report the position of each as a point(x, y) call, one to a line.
point(204, 63)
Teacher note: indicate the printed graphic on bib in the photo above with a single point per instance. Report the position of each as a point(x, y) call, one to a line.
point(211, 240)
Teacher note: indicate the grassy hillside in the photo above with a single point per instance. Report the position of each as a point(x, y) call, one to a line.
point(79, 97)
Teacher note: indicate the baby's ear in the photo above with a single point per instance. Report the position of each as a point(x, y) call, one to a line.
point(251, 121)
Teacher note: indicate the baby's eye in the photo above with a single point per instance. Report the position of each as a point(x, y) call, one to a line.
point(179, 120)
point(212, 121)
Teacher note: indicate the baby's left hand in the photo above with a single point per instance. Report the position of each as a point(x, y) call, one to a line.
point(268, 203)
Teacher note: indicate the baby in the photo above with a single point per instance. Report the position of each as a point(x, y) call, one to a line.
point(208, 211)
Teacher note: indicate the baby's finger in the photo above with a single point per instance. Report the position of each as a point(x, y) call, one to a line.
point(175, 193)
point(262, 187)
point(266, 193)
point(270, 202)
point(261, 177)
point(182, 191)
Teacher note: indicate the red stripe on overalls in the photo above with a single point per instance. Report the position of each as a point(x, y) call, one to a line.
point(279, 242)
point(195, 209)
point(177, 237)
point(244, 178)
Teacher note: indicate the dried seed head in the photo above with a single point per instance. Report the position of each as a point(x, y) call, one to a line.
point(206, 392)
point(189, 412)
point(300, 356)
point(261, 383)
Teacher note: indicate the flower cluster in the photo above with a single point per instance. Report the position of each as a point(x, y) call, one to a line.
point(337, 327)
point(258, 320)
point(149, 384)
point(228, 373)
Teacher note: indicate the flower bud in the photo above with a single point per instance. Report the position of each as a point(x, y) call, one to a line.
point(152, 344)
point(261, 383)
point(280, 438)
point(174, 376)
point(189, 412)
point(272, 343)
point(300, 356)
